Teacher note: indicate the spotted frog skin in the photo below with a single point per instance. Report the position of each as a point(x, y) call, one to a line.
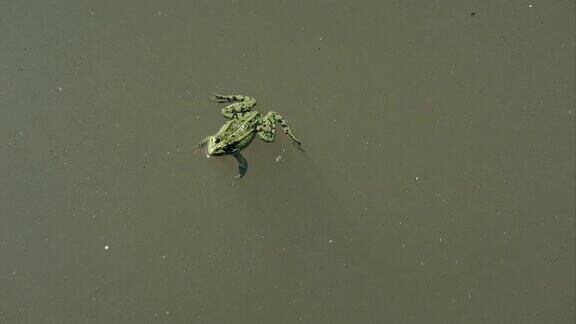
point(243, 126)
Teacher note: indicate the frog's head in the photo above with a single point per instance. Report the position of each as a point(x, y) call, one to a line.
point(216, 146)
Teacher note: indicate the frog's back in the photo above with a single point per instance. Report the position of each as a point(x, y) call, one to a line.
point(240, 132)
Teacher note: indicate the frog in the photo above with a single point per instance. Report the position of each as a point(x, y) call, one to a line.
point(243, 125)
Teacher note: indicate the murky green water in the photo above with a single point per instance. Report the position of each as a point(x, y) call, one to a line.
point(437, 186)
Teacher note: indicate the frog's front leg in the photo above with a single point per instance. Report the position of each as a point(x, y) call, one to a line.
point(267, 129)
point(242, 166)
point(202, 145)
point(240, 104)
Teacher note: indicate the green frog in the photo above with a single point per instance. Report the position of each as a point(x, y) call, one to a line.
point(243, 126)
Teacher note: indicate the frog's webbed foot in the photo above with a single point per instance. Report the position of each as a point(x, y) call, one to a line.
point(242, 166)
point(296, 143)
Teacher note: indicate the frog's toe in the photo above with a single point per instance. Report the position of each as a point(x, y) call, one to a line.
point(202, 146)
point(218, 97)
point(297, 144)
point(236, 178)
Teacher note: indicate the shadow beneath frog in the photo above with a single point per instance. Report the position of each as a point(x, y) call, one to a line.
point(289, 196)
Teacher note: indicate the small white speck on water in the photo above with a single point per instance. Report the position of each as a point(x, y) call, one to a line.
point(60, 89)
point(197, 117)
point(91, 13)
point(330, 241)
point(279, 158)
point(530, 5)
point(164, 257)
point(417, 178)
point(106, 247)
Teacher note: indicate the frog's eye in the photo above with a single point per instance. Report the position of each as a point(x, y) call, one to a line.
point(217, 140)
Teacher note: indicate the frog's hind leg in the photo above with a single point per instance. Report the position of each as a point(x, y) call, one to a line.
point(239, 104)
point(242, 166)
point(267, 129)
